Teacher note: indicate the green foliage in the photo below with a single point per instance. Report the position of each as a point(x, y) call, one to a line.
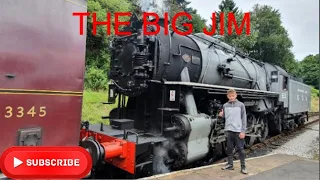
point(97, 52)
point(242, 41)
point(314, 99)
point(227, 6)
point(95, 79)
point(273, 43)
point(314, 92)
point(292, 65)
point(269, 40)
point(197, 21)
point(310, 70)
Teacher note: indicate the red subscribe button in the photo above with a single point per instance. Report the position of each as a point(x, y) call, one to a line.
point(45, 162)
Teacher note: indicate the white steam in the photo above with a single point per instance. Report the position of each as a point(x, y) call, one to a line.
point(161, 157)
point(155, 6)
point(161, 154)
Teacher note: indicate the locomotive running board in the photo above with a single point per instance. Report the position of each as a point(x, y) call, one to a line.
point(217, 89)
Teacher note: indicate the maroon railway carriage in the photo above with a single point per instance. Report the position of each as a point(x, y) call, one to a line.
point(42, 67)
point(42, 63)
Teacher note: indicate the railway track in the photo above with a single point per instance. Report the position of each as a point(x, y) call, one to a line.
point(312, 114)
point(275, 141)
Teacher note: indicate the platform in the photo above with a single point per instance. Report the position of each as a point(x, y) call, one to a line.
point(269, 167)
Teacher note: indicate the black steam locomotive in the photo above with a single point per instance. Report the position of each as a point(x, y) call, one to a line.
point(169, 90)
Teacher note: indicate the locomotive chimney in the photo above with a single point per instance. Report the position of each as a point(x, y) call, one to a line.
point(162, 21)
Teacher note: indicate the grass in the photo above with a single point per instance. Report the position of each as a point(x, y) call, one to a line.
point(314, 100)
point(93, 109)
point(314, 104)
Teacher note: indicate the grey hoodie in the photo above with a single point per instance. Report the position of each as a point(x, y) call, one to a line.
point(234, 113)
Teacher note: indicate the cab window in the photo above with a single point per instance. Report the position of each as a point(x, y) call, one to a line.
point(285, 83)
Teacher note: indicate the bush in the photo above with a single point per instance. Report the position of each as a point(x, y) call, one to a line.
point(96, 79)
point(314, 92)
point(314, 99)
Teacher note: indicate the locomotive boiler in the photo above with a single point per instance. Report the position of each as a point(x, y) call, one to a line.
point(169, 89)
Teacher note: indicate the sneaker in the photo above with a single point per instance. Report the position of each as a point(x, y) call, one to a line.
point(227, 167)
point(244, 170)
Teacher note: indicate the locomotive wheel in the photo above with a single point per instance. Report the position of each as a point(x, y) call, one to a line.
point(292, 126)
point(251, 121)
point(218, 151)
point(143, 168)
point(263, 131)
point(300, 121)
point(278, 123)
point(215, 154)
point(249, 141)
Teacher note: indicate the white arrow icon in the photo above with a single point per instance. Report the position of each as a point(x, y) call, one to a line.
point(16, 162)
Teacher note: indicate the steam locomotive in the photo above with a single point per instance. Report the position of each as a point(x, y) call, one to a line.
point(169, 90)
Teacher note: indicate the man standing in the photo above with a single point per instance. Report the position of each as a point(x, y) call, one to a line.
point(234, 113)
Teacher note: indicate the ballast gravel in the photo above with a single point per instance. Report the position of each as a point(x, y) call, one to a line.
point(305, 145)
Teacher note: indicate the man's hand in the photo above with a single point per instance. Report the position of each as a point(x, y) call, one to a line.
point(242, 135)
point(221, 113)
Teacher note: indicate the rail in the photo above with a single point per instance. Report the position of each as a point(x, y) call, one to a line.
point(311, 114)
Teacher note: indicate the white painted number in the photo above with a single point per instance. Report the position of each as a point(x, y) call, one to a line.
point(172, 95)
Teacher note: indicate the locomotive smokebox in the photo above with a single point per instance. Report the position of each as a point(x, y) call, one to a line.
point(140, 57)
point(132, 61)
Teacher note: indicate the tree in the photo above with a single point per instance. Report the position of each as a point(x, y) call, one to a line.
point(310, 70)
point(291, 65)
point(198, 23)
point(273, 43)
point(176, 6)
point(268, 40)
point(97, 54)
point(226, 6)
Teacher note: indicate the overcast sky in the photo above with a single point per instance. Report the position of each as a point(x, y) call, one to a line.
point(299, 17)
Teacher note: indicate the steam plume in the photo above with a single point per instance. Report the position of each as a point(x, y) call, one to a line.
point(156, 6)
point(161, 154)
